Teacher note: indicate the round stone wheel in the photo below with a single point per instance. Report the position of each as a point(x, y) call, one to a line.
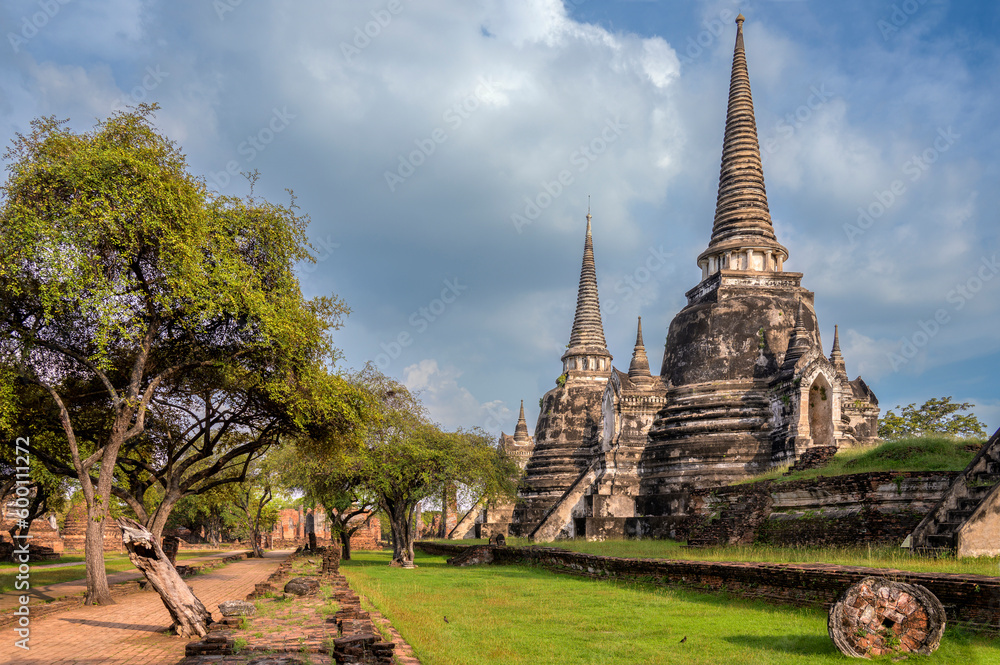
point(879, 616)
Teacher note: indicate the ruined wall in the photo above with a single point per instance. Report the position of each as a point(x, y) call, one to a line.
point(290, 529)
point(882, 507)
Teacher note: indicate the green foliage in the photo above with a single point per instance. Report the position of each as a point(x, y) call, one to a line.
point(938, 415)
point(132, 292)
point(561, 380)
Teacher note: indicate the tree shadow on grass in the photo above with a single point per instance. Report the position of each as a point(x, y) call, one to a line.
point(803, 645)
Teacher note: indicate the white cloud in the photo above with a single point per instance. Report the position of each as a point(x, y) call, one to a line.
point(451, 404)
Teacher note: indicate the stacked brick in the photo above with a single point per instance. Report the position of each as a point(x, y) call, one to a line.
point(358, 641)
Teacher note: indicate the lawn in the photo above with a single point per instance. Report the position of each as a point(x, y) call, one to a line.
point(519, 614)
point(928, 453)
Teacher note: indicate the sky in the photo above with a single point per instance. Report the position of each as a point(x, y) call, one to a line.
point(446, 153)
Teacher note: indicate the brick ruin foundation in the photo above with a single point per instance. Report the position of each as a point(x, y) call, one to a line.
point(348, 637)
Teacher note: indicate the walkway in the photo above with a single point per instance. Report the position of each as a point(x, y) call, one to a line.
point(133, 632)
point(52, 592)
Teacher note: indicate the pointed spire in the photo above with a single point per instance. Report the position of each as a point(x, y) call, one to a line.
point(742, 219)
point(521, 431)
point(587, 336)
point(640, 365)
point(836, 358)
point(798, 343)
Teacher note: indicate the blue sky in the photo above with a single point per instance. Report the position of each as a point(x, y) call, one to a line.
point(445, 152)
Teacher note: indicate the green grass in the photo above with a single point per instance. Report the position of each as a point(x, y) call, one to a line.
point(517, 614)
point(930, 453)
point(875, 556)
point(42, 578)
point(113, 563)
point(108, 557)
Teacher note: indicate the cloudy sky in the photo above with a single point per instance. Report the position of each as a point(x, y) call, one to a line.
point(445, 151)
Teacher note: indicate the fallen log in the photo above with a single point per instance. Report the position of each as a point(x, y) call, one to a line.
point(189, 614)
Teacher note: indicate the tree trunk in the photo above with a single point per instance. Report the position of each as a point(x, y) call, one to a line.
point(255, 543)
point(345, 546)
point(401, 523)
point(189, 614)
point(98, 591)
point(443, 527)
point(158, 520)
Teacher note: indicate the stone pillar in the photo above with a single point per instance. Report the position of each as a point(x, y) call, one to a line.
point(170, 546)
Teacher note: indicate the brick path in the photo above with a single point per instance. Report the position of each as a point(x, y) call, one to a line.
point(133, 632)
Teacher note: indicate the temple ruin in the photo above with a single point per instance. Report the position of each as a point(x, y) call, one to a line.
point(744, 385)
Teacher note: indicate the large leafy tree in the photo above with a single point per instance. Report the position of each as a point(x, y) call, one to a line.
point(402, 458)
point(120, 272)
point(938, 415)
point(334, 479)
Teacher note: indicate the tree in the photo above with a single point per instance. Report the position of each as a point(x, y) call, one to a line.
point(250, 503)
point(414, 463)
point(402, 459)
point(938, 415)
point(118, 270)
point(336, 481)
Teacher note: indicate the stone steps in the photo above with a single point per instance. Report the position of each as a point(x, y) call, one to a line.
point(939, 530)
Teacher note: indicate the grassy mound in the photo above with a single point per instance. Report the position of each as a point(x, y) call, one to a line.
point(925, 453)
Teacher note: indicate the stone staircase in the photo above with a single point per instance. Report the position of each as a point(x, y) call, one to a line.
point(561, 512)
point(467, 522)
point(967, 504)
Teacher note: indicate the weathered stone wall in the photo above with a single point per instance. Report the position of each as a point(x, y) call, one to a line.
point(972, 600)
point(882, 507)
